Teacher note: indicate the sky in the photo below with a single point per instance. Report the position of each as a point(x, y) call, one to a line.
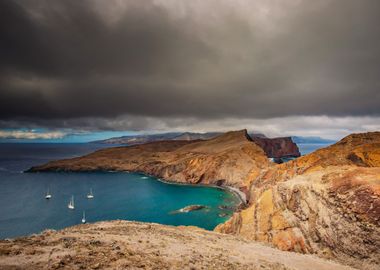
point(93, 68)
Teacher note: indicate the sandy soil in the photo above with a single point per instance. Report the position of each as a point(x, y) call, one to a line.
point(133, 245)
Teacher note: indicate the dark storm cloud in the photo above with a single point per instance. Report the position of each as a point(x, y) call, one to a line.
point(81, 61)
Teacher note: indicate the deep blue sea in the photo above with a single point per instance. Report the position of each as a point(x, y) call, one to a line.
point(24, 209)
point(306, 148)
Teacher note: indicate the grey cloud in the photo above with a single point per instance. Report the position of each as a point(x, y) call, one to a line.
point(81, 61)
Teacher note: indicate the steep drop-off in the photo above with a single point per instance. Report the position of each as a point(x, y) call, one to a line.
point(278, 147)
point(327, 202)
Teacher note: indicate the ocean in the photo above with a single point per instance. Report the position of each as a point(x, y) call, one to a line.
point(306, 148)
point(117, 195)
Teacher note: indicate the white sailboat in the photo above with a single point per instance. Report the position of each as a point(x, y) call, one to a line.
point(90, 195)
point(71, 203)
point(48, 195)
point(84, 217)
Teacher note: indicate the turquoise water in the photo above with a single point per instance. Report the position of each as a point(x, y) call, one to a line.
point(129, 196)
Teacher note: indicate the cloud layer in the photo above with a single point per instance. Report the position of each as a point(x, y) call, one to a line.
point(135, 64)
point(30, 134)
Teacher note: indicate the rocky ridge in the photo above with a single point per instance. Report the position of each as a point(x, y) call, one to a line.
point(230, 159)
point(273, 147)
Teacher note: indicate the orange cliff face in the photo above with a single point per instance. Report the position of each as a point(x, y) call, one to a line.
point(327, 202)
point(229, 159)
point(278, 147)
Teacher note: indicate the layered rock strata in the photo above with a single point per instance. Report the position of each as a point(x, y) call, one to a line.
point(230, 159)
point(327, 202)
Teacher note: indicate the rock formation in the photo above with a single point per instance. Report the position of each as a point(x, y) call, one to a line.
point(189, 208)
point(133, 245)
point(278, 147)
point(327, 202)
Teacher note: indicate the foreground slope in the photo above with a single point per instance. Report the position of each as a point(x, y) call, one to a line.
point(132, 245)
point(230, 159)
point(327, 202)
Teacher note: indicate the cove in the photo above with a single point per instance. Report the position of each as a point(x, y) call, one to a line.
point(117, 195)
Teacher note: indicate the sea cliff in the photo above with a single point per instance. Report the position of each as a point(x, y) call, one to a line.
point(327, 203)
point(278, 147)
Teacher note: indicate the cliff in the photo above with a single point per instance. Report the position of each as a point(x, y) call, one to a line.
point(132, 245)
point(326, 203)
point(229, 159)
point(278, 147)
point(273, 147)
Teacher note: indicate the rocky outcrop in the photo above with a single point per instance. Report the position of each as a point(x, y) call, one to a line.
point(230, 159)
point(189, 208)
point(133, 245)
point(327, 203)
point(278, 147)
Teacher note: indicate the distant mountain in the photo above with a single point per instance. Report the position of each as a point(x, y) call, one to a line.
point(315, 140)
point(185, 136)
point(189, 136)
point(139, 139)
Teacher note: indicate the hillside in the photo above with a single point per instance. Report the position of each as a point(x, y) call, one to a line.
point(273, 147)
point(230, 159)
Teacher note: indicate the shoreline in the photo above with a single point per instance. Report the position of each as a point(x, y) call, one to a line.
point(239, 194)
point(242, 197)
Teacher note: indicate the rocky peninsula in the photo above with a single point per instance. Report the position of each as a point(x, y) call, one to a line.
point(273, 147)
point(231, 159)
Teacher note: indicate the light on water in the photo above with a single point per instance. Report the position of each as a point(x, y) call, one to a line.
point(24, 208)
